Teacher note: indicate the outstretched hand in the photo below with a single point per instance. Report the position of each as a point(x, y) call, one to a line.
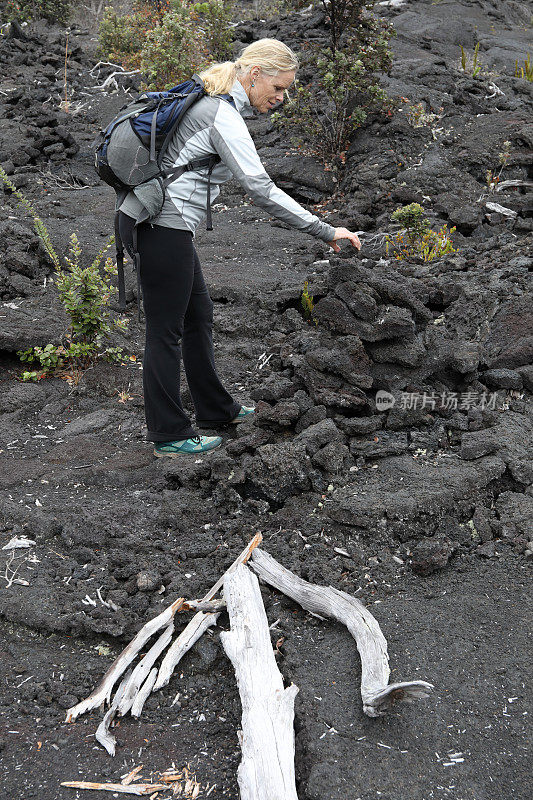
point(344, 233)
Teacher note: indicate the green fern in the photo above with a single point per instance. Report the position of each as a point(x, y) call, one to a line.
point(307, 303)
point(526, 71)
point(38, 224)
point(84, 293)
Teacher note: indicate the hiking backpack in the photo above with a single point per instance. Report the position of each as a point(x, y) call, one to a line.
point(129, 152)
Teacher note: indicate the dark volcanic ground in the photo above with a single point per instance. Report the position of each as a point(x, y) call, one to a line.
point(433, 506)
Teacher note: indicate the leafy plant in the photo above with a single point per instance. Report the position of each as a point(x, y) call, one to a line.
point(308, 304)
point(526, 71)
point(471, 65)
point(417, 240)
point(172, 50)
point(85, 293)
point(121, 37)
point(26, 10)
point(493, 177)
point(345, 16)
point(212, 18)
point(167, 41)
point(324, 114)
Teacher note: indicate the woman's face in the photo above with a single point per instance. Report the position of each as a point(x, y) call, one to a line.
point(268, 90)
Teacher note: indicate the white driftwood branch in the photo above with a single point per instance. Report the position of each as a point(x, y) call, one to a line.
point(113, 79)
point(102, 693)
point(200, 622)
point(187, 638)
point(103, 732)
point(266, 771)
point(142, 669)
point(144, 693)
point(511, 184)
point(377, 694)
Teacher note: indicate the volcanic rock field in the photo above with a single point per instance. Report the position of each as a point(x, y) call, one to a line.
point(390, 455)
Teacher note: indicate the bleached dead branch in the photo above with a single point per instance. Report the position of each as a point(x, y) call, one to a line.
point(142, 670)
point(102, 693)
point(266, 771)
point(200, 622)
point(376, 692)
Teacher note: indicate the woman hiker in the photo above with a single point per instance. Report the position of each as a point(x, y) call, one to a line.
point(177, 305)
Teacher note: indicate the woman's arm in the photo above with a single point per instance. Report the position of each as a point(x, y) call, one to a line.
point(232, 141)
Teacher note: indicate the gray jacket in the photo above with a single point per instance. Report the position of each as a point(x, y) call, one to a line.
point(213, 125)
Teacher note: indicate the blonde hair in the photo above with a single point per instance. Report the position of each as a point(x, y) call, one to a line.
point(270, 54)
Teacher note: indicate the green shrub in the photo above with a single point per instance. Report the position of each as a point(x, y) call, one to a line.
point(26, 10)
point(324, 114)
point(172, 51)
point(85, 293)
point(417, 240)
point(167, 42)
point(212, 18)
point(121, 37)
point(344, 16)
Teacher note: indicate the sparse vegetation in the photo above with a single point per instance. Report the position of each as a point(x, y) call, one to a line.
point(418, 117)
point(85, 293)
point(167, 41)
point(471, 64)
point(493, 177)
point(308, 303)
point(525, 71)
point(417, 240)
point(26, 10)
point(324, 114)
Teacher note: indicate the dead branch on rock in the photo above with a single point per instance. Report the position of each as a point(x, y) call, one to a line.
point(192, 632)
point(376, 692)
point(187, 638)
point(142, 670)
point(200, 622)
point(102, 693)
point(513, 184)
point(267, 739)
point(201, 605)
point(144, 693)
point(11, 573)
point(180, 782)
point(112, 80)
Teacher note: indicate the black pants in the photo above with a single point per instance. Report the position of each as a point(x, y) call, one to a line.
point(179, 321)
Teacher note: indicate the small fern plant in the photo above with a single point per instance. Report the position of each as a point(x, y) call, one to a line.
point(526, 71)
point(85, 293)
point(308, 304)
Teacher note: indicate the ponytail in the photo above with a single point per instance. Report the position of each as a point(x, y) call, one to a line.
point(270, 54)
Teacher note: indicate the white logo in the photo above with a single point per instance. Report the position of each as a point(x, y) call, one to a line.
point(384, 400)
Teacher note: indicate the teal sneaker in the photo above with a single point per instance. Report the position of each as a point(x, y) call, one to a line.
point(244, 413)
point(192, 446)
